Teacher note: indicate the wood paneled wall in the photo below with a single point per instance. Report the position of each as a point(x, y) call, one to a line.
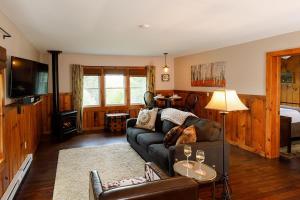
point(94, 117)
point(245, 129)
point(22, 129)
point(65, 103)
point(290, 94)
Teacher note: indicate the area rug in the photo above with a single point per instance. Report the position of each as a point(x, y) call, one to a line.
point(113, 162)
point(294, 154)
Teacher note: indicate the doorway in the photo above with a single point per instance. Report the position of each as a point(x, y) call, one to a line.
point(290, 107)
point(273, 99)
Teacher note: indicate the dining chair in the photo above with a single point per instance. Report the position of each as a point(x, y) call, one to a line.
point(149, 99)
point(190, 102)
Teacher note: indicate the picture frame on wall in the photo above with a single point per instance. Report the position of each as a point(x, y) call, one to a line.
point(208, 75)
point(165, 77)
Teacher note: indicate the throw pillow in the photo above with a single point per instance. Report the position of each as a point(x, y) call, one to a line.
point(172, 136)
point(188, 135)
point(123, 183)
point(146, 119)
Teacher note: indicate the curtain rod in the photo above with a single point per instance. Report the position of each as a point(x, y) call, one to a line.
point(6, 34)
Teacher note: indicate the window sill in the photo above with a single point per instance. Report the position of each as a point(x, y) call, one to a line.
point(91, 106)
point(113, 107)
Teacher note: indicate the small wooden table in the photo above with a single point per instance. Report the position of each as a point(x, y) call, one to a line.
point(209, 174)
point(116, 122)
point(168, 100)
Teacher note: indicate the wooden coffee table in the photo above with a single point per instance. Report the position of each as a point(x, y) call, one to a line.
point(208, 174)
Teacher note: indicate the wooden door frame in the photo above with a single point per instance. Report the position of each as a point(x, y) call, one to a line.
point(273, 91)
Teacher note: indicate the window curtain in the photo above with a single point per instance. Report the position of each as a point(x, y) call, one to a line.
point(77, 93)
point(150, 78)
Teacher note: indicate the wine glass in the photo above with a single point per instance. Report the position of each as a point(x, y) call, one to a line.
point(187, 153)
point(200, 157)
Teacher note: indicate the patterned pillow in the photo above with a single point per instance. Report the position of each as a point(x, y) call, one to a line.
point(123, 183)
point(188, 135)
point(151, 174)
point(172, 136)
point(146, 119)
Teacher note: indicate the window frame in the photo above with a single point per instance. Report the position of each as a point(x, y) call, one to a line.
point(94, 71)
point(89, 106)
point(129, 87)
point(124, 88)
point(127, 72)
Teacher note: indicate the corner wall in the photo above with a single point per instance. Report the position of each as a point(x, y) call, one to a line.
point(245, 64)
point(246, 72)
point(67, 59)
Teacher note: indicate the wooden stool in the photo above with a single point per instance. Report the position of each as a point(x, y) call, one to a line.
point(116, 122)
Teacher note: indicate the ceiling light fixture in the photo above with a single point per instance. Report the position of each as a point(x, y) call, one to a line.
point(166, 68)
point(286, 57)
point(144, 26)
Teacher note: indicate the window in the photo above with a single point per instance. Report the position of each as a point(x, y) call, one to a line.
point(137, 89)
point(114, 89)
point(91, 90)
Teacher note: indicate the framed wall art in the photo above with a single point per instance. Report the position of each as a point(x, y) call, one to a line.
point(208, 75)
point(165, 77)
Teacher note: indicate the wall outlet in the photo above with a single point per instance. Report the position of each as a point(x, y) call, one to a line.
point(207, 94)
point(25, 145)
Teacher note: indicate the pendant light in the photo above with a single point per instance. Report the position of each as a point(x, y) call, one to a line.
point(166, 68)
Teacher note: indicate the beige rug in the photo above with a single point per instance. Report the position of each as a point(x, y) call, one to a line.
point(294, 154)
point(113, 162)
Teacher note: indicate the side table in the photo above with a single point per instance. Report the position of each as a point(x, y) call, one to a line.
point(116, 122)
point(209, 174)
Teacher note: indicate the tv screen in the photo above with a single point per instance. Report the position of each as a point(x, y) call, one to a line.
point(41, 79)
point(27, 78)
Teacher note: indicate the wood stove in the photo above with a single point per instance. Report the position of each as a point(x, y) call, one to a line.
point(63, 123)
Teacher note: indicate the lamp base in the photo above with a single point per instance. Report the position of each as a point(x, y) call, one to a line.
point(226, 195)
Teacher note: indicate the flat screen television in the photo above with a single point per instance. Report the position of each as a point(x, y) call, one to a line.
point(27, 78)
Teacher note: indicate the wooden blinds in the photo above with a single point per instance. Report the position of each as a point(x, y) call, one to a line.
point(2, 57)
point(138, 71)
point(92, 70)
point(131, 71)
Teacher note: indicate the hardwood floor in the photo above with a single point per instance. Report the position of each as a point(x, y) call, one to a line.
point(251, 176)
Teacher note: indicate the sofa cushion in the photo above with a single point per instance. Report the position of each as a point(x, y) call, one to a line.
point(158, 122)
point(191, 120)
point(189, 135)
point(208, 130)
point(146, 139)
point(167, 126)
point(132, 133)
point(160, 155)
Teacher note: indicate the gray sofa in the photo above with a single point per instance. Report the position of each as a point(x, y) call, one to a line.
point(149, 145)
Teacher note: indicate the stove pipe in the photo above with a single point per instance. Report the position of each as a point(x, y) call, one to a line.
point(55, 83)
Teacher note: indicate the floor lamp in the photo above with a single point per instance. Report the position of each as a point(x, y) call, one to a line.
point(225, 101)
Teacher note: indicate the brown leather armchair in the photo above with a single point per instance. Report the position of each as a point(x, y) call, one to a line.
point(175, 188)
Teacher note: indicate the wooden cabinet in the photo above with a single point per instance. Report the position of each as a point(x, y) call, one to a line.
point(290, 94)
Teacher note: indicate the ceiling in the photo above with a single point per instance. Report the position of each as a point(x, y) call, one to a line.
point(110, 27)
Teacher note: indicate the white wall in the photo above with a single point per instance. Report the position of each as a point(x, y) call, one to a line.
point(245, 68)
point(17, 45)
point(67, 59)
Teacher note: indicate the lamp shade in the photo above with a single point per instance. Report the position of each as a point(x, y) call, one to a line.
point(225, 100)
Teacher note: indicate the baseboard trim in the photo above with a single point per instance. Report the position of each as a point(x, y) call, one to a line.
point(17, 180)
